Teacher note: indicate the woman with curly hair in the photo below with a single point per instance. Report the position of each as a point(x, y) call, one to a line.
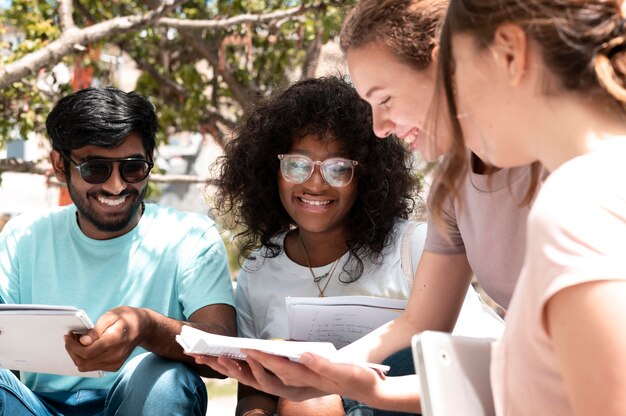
point(328, 113)
point(323, 208)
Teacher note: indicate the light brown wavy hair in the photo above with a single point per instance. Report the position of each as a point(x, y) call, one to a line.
point(582, 43)
point(408, 28)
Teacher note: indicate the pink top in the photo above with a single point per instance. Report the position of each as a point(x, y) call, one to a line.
point(488, 224)
point(576, 234)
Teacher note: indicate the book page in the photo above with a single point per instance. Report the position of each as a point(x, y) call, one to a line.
point(199, 342)
point(195, 341)
point(340, 320)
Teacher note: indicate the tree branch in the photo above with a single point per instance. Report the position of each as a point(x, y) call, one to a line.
point(312, 57)
point(162, 79)
point(20, 166)
point(235, 20)
point(240, 91)
point(64, 45)
point(66, 20)
point(215, 116)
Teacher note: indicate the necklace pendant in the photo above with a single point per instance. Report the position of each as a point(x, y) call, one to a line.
point(321, 294)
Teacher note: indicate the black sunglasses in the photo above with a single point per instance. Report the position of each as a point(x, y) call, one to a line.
point(97, 171)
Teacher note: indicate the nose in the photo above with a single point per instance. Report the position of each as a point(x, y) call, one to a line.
point(115, 184)
point(381, 124)
point(316, 181)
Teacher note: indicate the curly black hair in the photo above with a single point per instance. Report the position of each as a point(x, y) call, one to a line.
point(330, 109)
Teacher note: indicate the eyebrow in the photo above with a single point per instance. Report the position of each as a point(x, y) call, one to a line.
point(372, 90)
point(135, 156)
point(305, 153)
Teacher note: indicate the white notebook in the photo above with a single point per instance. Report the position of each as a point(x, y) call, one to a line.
point(32, 338)
point(195, 341)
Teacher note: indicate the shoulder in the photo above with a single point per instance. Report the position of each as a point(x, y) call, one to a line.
point(261, 258)
point(178, 230)
point(584, 195)
point(178, 224)
point(408, 230)
point(584, 181)
point(167, 215)
point(32, 220)
point(408, 227)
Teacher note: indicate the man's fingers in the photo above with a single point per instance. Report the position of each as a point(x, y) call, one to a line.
point(210, 362)
point(105, 321)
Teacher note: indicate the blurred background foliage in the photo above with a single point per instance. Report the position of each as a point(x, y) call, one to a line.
point(200, 79)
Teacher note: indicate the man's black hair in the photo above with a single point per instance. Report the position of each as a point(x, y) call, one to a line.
point(101, 117)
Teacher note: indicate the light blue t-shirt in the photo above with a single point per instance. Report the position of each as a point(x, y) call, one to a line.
point(172, 262)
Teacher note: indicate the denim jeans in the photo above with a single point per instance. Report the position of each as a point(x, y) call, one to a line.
point(401, 364)
point(148, 385)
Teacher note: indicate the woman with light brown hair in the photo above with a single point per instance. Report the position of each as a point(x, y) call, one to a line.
point(556, 94)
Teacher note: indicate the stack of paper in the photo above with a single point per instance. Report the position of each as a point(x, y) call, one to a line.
point(32, 338)
point(340, 320)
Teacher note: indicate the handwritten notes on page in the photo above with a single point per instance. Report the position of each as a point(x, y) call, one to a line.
point(339, 320)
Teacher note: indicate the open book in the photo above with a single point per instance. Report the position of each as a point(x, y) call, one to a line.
point(31, 338)
point(340, 320)
point(195, 341)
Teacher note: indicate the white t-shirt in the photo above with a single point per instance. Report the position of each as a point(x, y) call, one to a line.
point(264, 283)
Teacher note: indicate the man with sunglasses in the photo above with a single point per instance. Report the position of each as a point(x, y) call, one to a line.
point(139, 270)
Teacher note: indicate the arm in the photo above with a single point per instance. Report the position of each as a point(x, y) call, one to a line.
point(586, 323)
point(117, 333)
point(251, 402)
point(357, 382)
point(202, 287)
point(330, 405)
point(439, 288)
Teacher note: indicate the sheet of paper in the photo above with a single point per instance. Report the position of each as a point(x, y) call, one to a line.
point(339, 320)
point(195, 341)
point(199, 342)
point(31, 338)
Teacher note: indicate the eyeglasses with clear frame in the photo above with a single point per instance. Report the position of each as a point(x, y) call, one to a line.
point(98, 171)
point(336, 171)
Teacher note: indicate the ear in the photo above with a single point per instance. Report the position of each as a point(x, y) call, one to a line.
point(433, 66)
point(434, 54)
point(58, 166)
point(510, 47)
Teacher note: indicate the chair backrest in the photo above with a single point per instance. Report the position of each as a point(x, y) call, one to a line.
point(454, 374)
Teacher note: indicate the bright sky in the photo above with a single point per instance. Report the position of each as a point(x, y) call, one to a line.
point(5, 3)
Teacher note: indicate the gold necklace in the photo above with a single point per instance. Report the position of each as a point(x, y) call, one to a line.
point(318, 279)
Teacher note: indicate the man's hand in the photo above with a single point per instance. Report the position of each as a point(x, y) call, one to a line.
point(110, 342)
